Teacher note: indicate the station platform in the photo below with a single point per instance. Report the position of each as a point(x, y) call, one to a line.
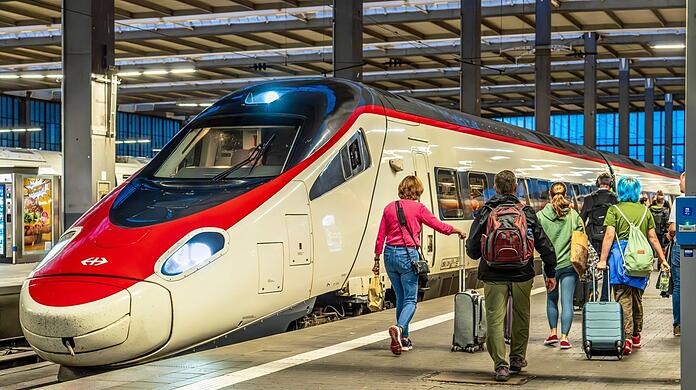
point(12, 275)
point(354, 353)
point(11, 278)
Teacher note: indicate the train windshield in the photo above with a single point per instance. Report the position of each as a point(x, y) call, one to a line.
point(230, 152)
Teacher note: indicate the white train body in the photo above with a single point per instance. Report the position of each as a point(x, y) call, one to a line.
point(307, 231)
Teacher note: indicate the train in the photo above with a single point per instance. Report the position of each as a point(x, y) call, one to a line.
point(270, 199)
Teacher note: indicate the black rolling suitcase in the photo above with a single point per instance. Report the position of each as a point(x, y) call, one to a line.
point(581, 294)
point(469, 314)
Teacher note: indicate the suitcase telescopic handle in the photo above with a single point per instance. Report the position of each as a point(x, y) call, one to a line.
point(607, 281)
point(462, 264)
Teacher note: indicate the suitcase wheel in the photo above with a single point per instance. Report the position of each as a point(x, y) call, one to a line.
point(588, 349)
point(619, 350)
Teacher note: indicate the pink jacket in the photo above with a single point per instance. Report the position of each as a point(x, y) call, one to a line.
point(416, 214)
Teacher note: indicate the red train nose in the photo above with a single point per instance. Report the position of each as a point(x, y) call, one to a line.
point(72, 291)
point(89, 320)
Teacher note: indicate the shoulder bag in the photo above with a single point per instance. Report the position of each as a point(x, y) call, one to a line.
point(420, 266)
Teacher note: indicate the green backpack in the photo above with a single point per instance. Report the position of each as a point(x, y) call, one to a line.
point(638, 254)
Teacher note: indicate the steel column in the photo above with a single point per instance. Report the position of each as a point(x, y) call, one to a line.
point(649, 118)
point(590, 90)
point(25, 119)
point(348, 39)
point(669, 108)
point(470, 57)
point(88, 147)
point(542, 58)
point(624, 100)
point(688, 265)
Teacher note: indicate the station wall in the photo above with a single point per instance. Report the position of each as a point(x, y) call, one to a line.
point(46, 115)
point(569, 127)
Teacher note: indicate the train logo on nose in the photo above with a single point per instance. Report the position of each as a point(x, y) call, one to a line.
point(94, 261)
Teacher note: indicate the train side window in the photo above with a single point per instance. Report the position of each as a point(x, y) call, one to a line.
point(533, 190)
point(538, 193)
point(353, 159)
point(544, 186)
point(478, 184)
point(522, 191)
point(490, 191)
point(448, 197)
point(572, 196)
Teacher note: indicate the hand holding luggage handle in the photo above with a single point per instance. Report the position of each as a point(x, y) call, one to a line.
point(595, 296)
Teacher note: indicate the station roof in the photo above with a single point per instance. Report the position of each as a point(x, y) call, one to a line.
point(174, 54)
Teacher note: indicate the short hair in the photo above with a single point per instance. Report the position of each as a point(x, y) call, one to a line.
point(628, 189)
point(411, 187)
point(604, 179)
point(505, 182)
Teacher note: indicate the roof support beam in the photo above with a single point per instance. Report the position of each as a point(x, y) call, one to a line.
point(649, 118)
point(669, 106)
point(348, 39)
point(624, 92)
point(88, 49)
point(542, 59)
point(470, 57)
point(590, 92)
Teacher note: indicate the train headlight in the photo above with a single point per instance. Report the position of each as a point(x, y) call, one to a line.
point(266, 97)
point(195, 252)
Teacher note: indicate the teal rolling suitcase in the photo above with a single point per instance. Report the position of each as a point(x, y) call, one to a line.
point(602, 327)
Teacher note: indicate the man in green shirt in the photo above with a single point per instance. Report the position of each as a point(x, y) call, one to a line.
point(628, 290)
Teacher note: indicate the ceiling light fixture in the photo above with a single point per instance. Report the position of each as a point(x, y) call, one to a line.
point(129, 73)
point(8, 76)
point(132, 141)
point(183, 70)
point(19, 129)
point(32, 76)
point(155, 72)
point(668, 46)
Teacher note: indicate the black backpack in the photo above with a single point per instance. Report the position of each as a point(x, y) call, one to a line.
point(596, 215)
point(661, 216)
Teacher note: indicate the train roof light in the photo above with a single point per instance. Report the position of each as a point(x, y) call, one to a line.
point(265, 97)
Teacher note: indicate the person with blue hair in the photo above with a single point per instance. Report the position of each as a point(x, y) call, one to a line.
point(628, 290)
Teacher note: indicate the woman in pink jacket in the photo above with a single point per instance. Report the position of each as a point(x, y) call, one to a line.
point(401, 251)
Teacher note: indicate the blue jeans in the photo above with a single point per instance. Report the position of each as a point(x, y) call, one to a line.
point(675, 263)
point(404, 282)
point(566, 279)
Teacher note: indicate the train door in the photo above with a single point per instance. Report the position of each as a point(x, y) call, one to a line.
point(421, 167)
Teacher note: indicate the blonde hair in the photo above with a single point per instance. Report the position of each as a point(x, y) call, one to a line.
point(559, 202)
point(411, 188)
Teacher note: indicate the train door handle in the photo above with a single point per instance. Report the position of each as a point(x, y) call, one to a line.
point(430, 242)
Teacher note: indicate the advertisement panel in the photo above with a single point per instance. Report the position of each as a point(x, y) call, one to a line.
point(37, 214)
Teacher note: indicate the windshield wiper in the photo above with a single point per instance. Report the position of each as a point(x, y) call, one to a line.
point(254, 156)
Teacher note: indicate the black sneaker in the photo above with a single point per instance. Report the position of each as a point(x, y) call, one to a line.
point(517, 364)
point(502, 374)
point(677, 331)
point(406, 344)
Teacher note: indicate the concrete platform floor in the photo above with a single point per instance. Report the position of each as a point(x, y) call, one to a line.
point(12, 275)
point(354, 354)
